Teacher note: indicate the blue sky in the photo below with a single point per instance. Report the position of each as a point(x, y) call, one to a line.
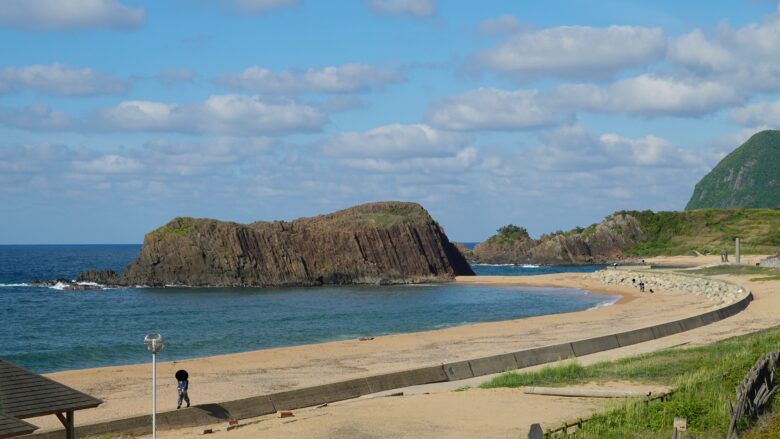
point(117, 115)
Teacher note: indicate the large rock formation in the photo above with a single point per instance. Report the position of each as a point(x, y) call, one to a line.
point(748, 177)
point(378, 243)
point(595, 245)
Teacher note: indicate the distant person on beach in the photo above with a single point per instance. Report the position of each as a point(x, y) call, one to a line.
point(633, 280)
point(184, 383)
point(641, 287)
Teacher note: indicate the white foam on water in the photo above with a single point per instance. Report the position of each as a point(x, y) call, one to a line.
point(14, 285)
point(58, 286)
point(530, 266)
point(607, 303)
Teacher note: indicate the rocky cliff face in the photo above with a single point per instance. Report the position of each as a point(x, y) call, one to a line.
point(378, 243)
point(595, 245)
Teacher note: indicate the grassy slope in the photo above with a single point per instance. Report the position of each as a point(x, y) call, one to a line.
point(703, 376)
point(707, 231)
point(760, 159)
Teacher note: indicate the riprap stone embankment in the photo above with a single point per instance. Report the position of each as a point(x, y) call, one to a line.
point(660, 282)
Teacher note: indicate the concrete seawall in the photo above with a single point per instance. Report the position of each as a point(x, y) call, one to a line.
point(205, 414)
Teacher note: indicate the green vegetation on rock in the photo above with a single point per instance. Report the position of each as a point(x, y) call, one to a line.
point(177, 226)
point(748, 177)
point(509, 234)
point(704, 378)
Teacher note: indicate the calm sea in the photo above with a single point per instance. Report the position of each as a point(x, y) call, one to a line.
point(46, 330)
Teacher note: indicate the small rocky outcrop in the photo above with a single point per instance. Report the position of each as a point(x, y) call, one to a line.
point(377, 243)
point(597, 244)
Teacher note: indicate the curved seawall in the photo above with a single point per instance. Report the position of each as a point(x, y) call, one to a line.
point(311, 396)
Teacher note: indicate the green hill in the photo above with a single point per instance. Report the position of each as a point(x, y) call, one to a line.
point(748, 177)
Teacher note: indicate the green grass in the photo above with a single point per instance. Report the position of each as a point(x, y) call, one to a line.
point(705, 377)
point(736, 269)
point(765, 279)
point(708, 231)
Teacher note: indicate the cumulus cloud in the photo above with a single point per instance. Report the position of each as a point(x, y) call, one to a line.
point(219, 114)
point(493, 109)
point(503, 24)
point(457, 161)
point(573, 147)
point(747, 57)
point(347, 78)
point(650, 95)
point(258, 6)
point(394, 141)
point(415, 8)
point(575, 51)
point(60, 79)
point(757, 114)
point(69, 14)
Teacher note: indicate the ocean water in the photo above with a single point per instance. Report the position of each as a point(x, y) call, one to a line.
point(46, 329)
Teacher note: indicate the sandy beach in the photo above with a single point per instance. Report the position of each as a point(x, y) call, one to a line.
point(126, 389)
point(437, 410)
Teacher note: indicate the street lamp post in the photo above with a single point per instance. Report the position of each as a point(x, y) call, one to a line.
point(154, 343)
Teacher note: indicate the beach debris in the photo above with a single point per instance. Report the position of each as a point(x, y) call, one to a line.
point(232, 421)
point(208, 431)
point(322, 406)
point(286, 414)
point(396, 394)
point(366, 338)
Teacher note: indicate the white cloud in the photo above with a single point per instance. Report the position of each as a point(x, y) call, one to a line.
point(757, 114)
point(575, 51)
point(747, 57)
point(258, 6)
point(573, 148)
point(503, 24)
point(394, 141)
point(213, 156)
point(109, 164)
point(220, 114)
point(37, 117)
point(416, 8)
point(60, 79)
point(650, 95)
point(347, 78)
point(493, 109)
point(69, 14)
point(458, 161)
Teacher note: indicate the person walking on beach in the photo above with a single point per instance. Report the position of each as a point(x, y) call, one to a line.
point(184, 383)
point(641, 287)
